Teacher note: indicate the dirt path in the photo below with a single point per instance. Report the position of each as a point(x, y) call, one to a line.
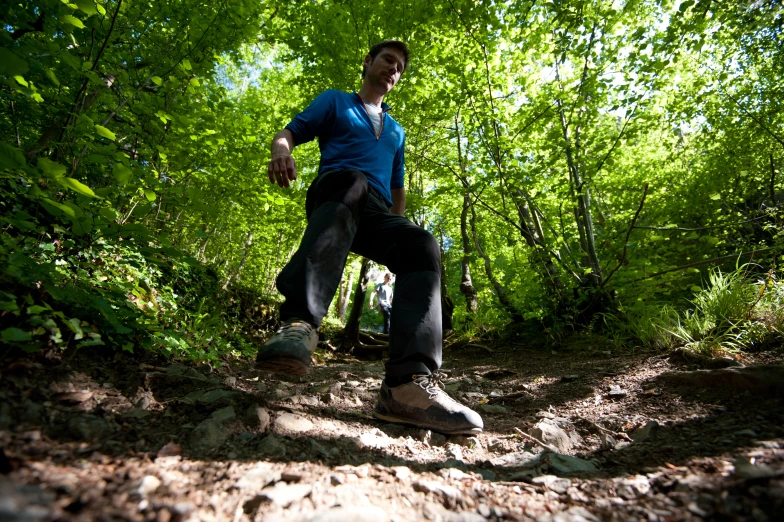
point(116, 439)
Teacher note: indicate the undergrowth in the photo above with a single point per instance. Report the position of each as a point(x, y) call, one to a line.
point(115, 287)
point(733, 311)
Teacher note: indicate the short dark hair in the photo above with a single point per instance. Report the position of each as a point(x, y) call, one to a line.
point(395, 44)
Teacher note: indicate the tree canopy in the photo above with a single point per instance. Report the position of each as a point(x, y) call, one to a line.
point(577, 160)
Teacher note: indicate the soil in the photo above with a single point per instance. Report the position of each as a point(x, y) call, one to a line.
point(583, 434)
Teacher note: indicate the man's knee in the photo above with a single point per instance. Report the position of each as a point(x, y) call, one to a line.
point(421, 253)
point(357, 193)
point(349, 187)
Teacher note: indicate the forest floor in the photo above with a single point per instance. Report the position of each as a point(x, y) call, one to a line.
point(621, 437)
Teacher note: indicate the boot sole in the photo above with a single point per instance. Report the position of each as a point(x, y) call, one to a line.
point(283, 365)
point(401, 420)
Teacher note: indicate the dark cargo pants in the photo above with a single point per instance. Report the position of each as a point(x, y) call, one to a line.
point(346, 214)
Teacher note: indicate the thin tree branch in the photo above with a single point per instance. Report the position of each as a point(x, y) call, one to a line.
point(697, 229)
point(626, 241)
point(468, 186)
point(704, 262)
point(617, 139)
point(747, 113)
point(108, 35)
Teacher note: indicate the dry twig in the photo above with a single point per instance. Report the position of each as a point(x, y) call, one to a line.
point(551, 449)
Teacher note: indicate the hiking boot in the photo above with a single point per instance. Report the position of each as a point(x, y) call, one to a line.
point(289, 349)
point(424, 404)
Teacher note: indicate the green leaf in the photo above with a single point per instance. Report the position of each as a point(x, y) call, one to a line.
point(8, 306)
point(70, 59)
point(186, 64)
point(87, 6)
point(67, 210)
point(149, 194)
point(52, 78)
point(50, 168)
point(685, 5)
point(156, 80)
point(72, 20)
point(78, 212)
point(715, 197)
point(21, 81)
point(11, 157)
point(11, 64)
point(77, 186)
point(82, 226)
point(106, 133)
point(122, 173)
point(37, 309)
point(75, 326)
point(15, 335)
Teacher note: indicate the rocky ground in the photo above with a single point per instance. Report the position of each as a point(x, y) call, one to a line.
point(588, 434)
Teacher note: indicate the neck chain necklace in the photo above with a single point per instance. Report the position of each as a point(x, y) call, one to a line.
point(381, 116)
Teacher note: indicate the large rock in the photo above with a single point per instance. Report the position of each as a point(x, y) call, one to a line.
point(261, 475)
point(374, 439)
point(566, 465)
point(521, 459)
point(292, 423)
point(549, 432)
point(24, 503)
point(286, 494)
point(763, 379)
point(272, 446)
point(208, 397)
point(351, 514)
point(89, 427)
point(646, 431)
point(212, 432)
point(573, 514)
point(632, 487)
point(257, 418)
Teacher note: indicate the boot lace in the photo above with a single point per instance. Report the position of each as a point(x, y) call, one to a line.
point(296, 330)
point(433, 385)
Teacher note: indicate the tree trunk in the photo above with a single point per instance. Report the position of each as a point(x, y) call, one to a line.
point(503, 297)
point(466, 284)
point(447, 305)
point(235, 273)
point(345, 288)
point(533, 234)
point(352, 325)
point(579, 190)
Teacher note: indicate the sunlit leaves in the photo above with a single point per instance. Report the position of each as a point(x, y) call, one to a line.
point(77, 186)
point(50, 168)
point(106, 133)
point(72, 20)
point(11, 64)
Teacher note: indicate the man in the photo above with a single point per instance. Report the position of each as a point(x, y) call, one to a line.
point(356, 204)
point(383, 294)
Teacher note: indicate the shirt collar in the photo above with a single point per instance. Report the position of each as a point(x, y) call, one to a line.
point(384, 106)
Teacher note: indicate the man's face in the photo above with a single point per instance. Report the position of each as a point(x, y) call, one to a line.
point(387, 279)
point(385, 69)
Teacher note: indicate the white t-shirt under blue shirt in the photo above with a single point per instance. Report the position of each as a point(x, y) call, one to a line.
point(348, 139)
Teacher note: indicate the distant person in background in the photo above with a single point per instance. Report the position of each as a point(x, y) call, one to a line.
point(383, 294)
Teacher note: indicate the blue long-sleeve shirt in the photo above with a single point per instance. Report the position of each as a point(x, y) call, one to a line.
point(347, 139)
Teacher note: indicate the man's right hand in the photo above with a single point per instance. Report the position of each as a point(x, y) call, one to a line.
point(282, 170)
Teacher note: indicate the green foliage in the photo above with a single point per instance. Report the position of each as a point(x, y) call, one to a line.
point(733, 311)
point(134, 139)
